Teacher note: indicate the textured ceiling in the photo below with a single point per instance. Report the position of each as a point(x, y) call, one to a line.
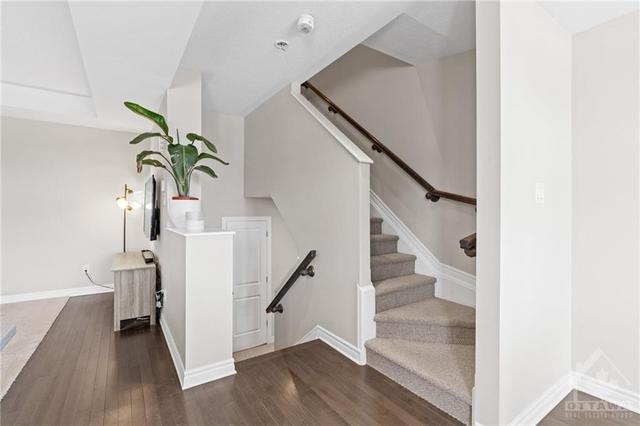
point(233, 45)
point(578, 16)
point(76, 62)
point(40, 49)
point(428, 31)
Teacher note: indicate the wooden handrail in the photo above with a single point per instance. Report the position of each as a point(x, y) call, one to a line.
point(468, 244)
point(305, 269)
point(432, 193)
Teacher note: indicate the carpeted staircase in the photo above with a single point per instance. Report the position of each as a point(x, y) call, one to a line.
point(424, 343)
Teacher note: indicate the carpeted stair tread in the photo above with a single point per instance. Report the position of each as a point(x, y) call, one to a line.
point(446, 366)
point(431, 311)
point(383, 244)
point(391, 258)
point(375, 225)
point(405, 282)
point(383, 237)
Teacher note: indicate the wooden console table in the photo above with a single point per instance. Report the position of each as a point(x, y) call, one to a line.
point(134, 288)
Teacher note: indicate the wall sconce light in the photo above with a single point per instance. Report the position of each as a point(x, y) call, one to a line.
point(127, 206)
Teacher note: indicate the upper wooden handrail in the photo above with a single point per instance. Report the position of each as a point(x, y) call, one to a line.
point(432, 193)
point(468, 244)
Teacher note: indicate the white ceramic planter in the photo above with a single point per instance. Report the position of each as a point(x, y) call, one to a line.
point(178, 210)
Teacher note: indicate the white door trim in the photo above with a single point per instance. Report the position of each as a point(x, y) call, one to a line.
point(267, 219)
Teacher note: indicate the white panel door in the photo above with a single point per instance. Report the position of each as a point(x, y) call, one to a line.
point(249, 281)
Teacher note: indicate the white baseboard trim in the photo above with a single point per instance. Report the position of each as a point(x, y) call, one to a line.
point(452, 284)
point(178, 364)
point(195, 376)
point(337, 343)
point(208, 373)
point(539, 408)
point(542, 406)
point(607, 392)
point(51, 294)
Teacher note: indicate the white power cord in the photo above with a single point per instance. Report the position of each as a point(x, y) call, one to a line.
point(110, 287)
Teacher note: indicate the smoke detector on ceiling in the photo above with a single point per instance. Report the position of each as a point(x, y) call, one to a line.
point(281, 44)
point(305, 23)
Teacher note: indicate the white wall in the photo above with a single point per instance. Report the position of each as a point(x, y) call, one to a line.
point(321, 189)
point(224, 196)
point(606, 255)
point(535, 258)
point(524, 264)
point(426, 115)
point(59, 185)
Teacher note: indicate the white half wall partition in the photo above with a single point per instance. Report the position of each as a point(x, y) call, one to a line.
point(197, 318)
point(319, 181)
point(196, 268)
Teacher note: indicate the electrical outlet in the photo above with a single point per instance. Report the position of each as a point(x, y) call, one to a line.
point(85, 268)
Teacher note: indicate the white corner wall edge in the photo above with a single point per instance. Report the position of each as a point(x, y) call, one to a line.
point(351, 147)
point(196, 376)
point(51, 294)
point(337, 343)
point(452, 284)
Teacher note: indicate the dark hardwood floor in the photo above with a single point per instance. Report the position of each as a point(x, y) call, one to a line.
point(85, 374)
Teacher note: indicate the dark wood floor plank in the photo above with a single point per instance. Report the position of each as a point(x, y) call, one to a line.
point(84, 373)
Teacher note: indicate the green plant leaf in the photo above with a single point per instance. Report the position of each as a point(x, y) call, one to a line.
point(183, 158)
point(150, 162)
point(143, 136)
point(148, 114)
point(206, 155)
point(195, 137)
point(144, 154)
point(206, 169)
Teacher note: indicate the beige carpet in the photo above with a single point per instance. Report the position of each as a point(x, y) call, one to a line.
point(424, 343)
point(32, 320)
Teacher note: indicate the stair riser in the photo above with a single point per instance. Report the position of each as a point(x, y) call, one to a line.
point(392, 270)
point(448, 403)
point(404, 297)
point(376, 227)
point(384, 247)
point(426, 333)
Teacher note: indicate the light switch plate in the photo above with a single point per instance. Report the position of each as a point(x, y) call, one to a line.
point(540, 193)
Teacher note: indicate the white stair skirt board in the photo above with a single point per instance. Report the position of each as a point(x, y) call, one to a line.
point(452, 284)
point(195, 376)
point(337, 343)
point(51, 294)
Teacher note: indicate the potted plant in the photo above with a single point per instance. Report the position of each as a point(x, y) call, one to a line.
point(183, 160)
